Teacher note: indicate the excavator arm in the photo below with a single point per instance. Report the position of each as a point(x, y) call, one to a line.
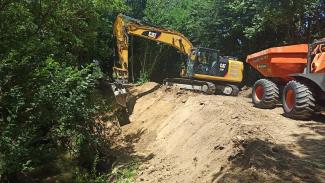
point(125, 26)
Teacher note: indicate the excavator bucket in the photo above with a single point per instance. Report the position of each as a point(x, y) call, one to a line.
point(120, 94)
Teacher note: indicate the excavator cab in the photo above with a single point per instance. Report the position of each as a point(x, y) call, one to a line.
point(208, 62)
point(200, 61)
point(210, 73)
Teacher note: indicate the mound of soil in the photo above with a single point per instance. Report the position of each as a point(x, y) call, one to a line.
point(191, 137)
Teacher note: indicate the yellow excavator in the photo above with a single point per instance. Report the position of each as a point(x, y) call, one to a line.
point(205, 71)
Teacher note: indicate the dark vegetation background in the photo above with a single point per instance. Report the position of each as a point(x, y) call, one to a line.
point(50, 97)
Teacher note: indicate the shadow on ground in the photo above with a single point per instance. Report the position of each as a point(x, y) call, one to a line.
point(123, 113)
point(261, 161)
point(127, 152)
point(126, 157)
point(264, 161)
point(132, 99)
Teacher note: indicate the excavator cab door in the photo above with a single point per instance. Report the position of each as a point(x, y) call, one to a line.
point(190, 64)
point(208, 62)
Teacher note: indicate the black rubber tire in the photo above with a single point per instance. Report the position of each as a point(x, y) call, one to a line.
point(304, 104)
point(270, 96)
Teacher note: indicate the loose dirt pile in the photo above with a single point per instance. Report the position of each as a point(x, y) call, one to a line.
point(190, 137)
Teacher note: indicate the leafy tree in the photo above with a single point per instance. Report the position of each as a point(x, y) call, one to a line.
point(48, 81)
point(137, 8)
point(238, 27)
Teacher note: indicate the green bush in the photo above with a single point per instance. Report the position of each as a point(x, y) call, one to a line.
point(49, 99)
point(49, 119)
point(144, 78)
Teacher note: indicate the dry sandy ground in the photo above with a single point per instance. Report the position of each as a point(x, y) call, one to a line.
point(190, 137)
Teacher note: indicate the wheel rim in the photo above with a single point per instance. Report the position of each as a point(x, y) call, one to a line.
point(290, 99)
point(259, 92)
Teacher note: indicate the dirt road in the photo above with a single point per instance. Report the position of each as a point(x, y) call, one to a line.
point(189, 137)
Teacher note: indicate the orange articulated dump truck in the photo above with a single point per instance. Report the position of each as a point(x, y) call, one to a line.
point(294, 75)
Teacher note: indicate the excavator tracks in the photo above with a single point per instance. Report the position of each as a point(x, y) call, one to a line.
point(206, 87)
point(190, 84)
